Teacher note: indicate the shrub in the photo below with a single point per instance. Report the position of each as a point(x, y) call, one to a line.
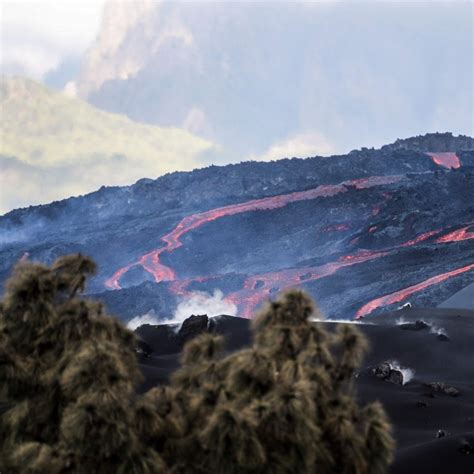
point(68, 403)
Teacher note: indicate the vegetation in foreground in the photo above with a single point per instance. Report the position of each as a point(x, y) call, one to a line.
point(68, 404)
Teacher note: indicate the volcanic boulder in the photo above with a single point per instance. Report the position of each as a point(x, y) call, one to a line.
point(388, 373)
point(441, 387)
point(418, 325)
point(192, 327)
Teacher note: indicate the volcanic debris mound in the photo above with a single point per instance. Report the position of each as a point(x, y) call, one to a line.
point(388, 373)
point(418, 325)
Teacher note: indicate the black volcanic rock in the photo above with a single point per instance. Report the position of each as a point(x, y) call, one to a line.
point(170, 339)
point(441, 387)
point(415, 421)
point(143, 349)
point(466, 447)
point(432, 142)
point(416, 326)
point(161, 339)
point(386, 372)
point(421, 404)
point(191, 327)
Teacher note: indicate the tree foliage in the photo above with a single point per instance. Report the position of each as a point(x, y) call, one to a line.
point(68, 403)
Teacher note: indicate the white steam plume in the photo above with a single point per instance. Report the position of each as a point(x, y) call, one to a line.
point(341, 321)
point(196, 303)
point(407, 373)
point(148, 318)
point(438, 331)
point(204, 303)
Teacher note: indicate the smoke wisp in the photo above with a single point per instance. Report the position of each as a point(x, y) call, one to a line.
point(148, 318)
point(407, 373)
point(204, 303)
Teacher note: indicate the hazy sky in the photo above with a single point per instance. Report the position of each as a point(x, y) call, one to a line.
point(38, 34)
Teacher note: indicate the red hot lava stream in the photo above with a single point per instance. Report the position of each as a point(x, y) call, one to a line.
point(151, 261)
point(400, 295)
point(420, 238)
point(257, 288)
point(448, 160)
point(457, 235)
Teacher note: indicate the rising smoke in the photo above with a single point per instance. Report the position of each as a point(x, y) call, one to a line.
point(439, 331)
point(195, 303)
point(204, 303)
point(148, 318)
point(407, 373)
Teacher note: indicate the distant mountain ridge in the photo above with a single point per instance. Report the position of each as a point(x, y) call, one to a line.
point(433, 142)
point(258, 77)
point(360, 232)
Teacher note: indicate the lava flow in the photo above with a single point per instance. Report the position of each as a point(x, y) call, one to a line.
point(447, 159)
point(151, 261)
point(257, 288)
point(458, 235)
point(420, 238)
point(400, 295)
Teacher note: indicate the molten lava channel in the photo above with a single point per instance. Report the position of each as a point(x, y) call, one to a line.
point(257, 288)
point(400, 295)
point(447, 159)
point(458, 235)
point(151, 261)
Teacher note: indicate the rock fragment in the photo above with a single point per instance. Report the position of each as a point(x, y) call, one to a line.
point(441, 387)
point(418, 325)
point(388, 373)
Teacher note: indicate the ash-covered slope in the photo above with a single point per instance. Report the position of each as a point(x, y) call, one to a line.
point(435, 399)
point(462, 299)
point(360, 232)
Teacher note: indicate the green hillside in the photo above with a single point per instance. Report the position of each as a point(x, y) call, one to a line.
point(48, 133)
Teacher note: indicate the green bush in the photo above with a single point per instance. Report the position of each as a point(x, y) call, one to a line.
point(68, 403)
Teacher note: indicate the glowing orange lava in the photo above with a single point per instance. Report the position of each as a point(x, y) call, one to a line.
point(458, 235)
point(400, 295)
point(257, 288)
point(447, 159)
point(151, 261)
point(420, 238)
point(113, 283)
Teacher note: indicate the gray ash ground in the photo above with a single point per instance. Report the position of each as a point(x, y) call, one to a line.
point(419, 409)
